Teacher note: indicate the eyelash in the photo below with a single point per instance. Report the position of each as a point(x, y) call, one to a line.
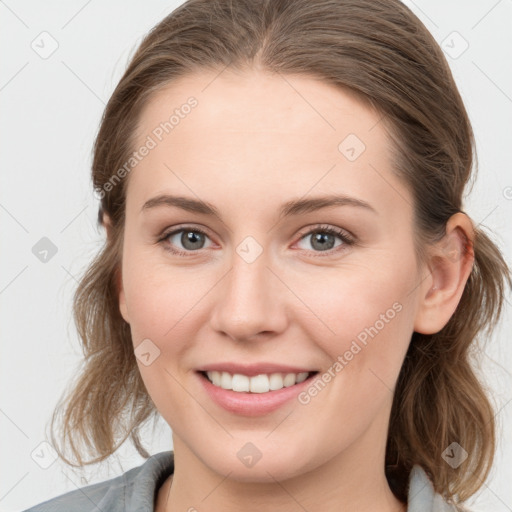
point(347, 239)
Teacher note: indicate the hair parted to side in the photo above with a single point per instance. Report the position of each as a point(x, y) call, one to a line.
point(381, 51)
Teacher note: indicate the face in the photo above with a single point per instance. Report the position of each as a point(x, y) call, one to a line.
point(320, 287)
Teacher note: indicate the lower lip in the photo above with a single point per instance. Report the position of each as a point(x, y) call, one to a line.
point(252, 404)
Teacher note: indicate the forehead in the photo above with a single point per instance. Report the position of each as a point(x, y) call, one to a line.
point(252, 132)
point(258, 102)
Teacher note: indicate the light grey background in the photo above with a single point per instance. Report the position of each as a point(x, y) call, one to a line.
point(51, 108)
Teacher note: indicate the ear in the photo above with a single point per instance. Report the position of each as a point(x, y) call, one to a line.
point(449, 265)
point(122, 300)
point(107, 224)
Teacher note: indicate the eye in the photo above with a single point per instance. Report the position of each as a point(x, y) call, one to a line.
point(190, 238)
point(323, 238)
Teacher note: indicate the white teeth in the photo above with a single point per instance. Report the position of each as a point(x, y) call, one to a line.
point(276, 381)
point(258, 384)
point(262, 383)
point(289, 380)
point(240, 382)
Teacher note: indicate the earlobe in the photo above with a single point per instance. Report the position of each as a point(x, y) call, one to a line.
point(107, 224)
point(450, 264)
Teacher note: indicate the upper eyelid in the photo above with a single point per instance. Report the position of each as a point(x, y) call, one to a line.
point(326, 227)
point(187, 227)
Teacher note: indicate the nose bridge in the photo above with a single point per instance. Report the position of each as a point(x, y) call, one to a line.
point(249, 302)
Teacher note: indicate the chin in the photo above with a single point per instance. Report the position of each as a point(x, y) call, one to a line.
point(249, 464)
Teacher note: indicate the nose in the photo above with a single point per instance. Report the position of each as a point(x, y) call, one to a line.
point(250, 302)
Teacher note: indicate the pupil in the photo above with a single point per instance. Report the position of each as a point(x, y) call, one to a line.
point(191, 237)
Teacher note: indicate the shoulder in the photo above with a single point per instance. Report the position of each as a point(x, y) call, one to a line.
point(133, 490)
point(422, 496)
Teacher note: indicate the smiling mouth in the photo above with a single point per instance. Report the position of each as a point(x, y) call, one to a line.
point(263, 383)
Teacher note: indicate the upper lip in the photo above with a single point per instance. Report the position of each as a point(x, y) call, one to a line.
point(252, 369)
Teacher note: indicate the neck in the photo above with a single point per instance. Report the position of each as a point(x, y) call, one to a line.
point(342, 484)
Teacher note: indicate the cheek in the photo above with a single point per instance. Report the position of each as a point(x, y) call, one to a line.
point(365, 314)
point(158, 298)
point(367, 318)
point(160, 305)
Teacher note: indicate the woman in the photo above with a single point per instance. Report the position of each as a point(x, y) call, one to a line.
point(289, 278)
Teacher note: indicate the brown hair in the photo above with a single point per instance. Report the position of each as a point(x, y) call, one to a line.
point(381, 51)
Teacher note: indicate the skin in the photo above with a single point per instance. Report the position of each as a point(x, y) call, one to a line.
point(254, 142)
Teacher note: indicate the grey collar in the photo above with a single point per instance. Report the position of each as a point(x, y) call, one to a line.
point(422, 497)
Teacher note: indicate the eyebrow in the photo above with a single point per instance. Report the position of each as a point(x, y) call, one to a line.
point(290, 208)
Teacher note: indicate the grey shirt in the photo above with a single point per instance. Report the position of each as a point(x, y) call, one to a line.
point(136, 490)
